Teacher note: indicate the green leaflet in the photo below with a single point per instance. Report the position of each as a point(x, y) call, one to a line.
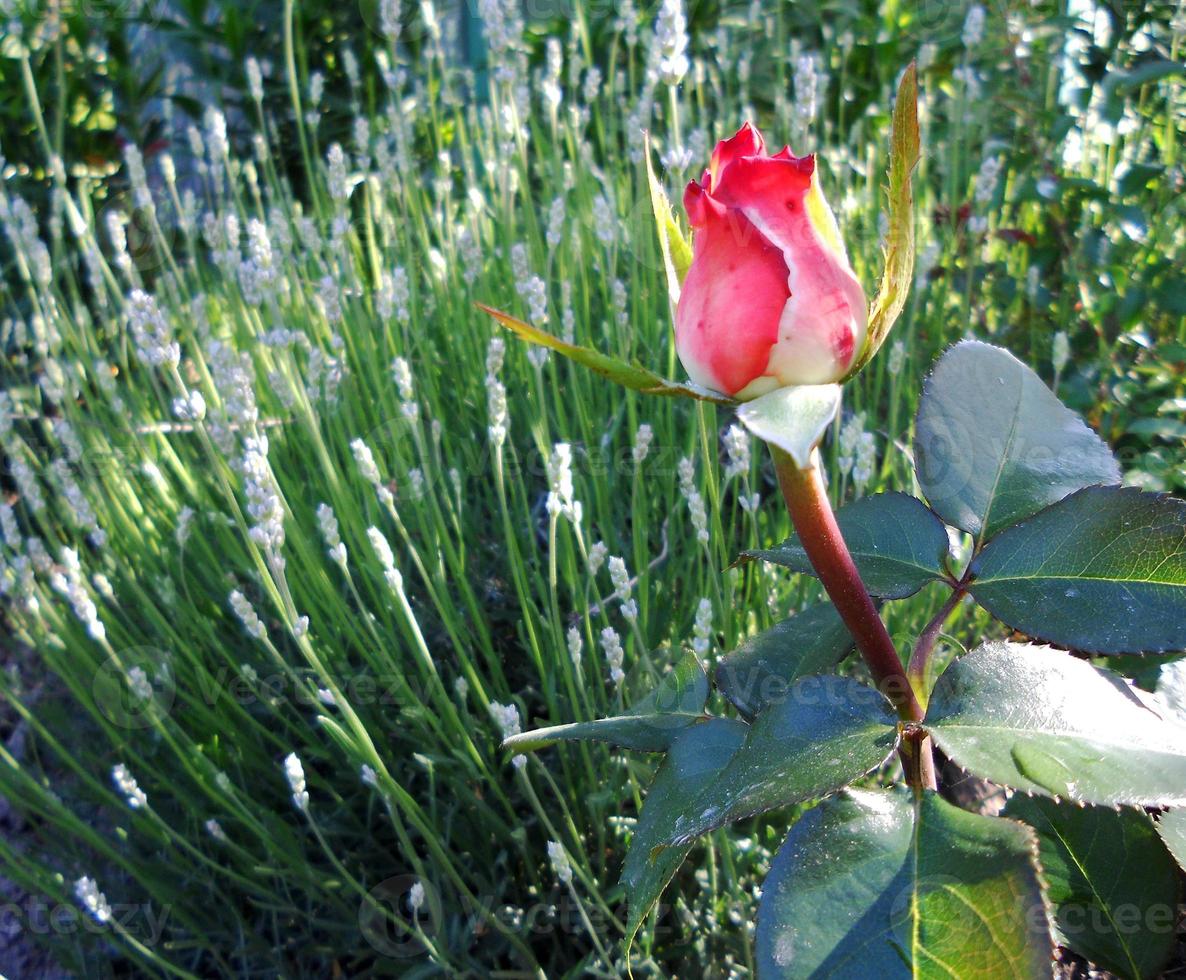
point(1039, 720)
point(649, 726)
point(760, 671)
point(896, 541)
point(993, 446)
point(695, 760)
point(881, 884)
point(1111, 880)
point(828, 731)
point(1103, 570)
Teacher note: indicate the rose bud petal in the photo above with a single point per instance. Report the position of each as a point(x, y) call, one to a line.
point(770, 299)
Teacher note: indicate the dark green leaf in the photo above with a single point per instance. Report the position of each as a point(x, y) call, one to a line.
point(1171, 826)
point(761, 671)
point(898, 544)
point(1158, 428)
point(1113, 885)
point(993, 445)
point(829, 731)
point(879, 884)
point(1149, 71)
point(1136, 177)
point(1102, 571)
point(627, 375)
point(899, 239)
point(649, 726)
point(696, 758)
point(1040, 720)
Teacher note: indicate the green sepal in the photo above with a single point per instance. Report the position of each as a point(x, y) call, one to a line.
point(631, 376)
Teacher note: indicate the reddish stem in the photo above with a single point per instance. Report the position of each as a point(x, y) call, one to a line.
point(920, 660)
point(811, 513)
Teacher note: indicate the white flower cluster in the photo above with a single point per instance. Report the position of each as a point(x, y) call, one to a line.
point(21, 227)
point(27, 486)
point(671, 38)
point(503, 29)
point(151, 334)
point(702, 629)
point(259, 275)
point(389, 19)
point(496, 393)
point(810, 83)
point(68, 582)
point(575, 646)
point(234, 381)
point(506, 717)
point(597, 555)
point(190, 407)
point(394, 295)
point(561, 866)
point(858, 451)
point(531, 288)
point(622, 587)
point(973, 32)
point(737, 449)
point(696, 508)
point(81, 512)
point(134, 165)
point(987, 179)
point(93, 900)
point(294, 772)
point(369, 471)
point(401, 371)
point(10, 532)
point(605, 220)
point(328, 523)
point(185, 521)
point(550, 87)
point(139, 684)
point(263, 500)
point(339, 181)
point(382, 549)
point(247, 616)
point(560, 495)
point(556, 215)
point(416, 897)
point(642, 443)
point(615, 656)
point(126, 783)
point(1061, 352)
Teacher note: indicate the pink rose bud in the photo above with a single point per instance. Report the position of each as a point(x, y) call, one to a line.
point(770, 299)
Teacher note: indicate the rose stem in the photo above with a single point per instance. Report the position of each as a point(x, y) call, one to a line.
point(811, 513)
point(920, 659)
